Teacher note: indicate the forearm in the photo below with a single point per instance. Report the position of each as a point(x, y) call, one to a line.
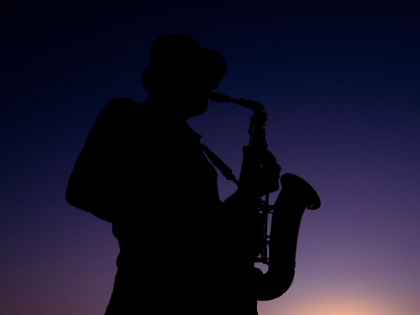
point(242, 199)
point(90, 200)
point(97, 194)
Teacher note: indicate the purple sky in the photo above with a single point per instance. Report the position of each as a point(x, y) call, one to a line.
point(341, 92)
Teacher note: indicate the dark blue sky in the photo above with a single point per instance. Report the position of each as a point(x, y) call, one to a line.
point(341, 91)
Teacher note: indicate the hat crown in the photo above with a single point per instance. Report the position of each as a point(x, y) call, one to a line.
point(177, 59)
point(175, 50)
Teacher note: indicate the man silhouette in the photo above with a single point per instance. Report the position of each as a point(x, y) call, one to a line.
point(142, 169)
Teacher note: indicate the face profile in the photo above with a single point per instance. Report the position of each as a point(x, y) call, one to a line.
point(194, 98)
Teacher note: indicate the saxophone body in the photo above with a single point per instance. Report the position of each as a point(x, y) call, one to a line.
point(278, 248)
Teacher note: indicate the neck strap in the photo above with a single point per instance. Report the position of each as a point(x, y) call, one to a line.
point(219, 164)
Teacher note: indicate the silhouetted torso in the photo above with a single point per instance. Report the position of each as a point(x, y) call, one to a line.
point(166, 214)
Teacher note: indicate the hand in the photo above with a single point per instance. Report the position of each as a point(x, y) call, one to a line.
point(260, 172)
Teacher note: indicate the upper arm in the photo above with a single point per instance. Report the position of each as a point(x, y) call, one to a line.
point(93, 183)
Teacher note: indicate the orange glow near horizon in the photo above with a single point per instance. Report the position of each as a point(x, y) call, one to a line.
point(335, 305)
point(344, 307)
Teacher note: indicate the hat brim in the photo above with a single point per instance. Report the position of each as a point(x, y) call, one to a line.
point(214, 65)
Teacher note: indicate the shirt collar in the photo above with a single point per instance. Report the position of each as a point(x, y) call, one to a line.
point(171, 123)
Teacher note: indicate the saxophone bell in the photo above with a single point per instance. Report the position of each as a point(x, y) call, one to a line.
point(294, 198)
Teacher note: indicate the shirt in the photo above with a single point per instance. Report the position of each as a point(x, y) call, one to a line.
point(149, 176)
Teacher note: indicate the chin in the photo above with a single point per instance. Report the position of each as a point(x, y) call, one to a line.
point(197, 108)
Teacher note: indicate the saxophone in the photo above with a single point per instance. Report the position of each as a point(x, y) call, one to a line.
point(277, 249)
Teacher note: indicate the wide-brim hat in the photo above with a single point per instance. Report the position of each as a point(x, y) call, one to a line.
point(178, 58)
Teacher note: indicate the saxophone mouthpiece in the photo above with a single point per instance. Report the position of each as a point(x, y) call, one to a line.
point(219, 97)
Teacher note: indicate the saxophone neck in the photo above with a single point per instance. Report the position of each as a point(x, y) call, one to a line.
point(255, 106)
point(257, 124)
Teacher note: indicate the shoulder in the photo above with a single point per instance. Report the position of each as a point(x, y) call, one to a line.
point(123, 102)
point(117, 117)
point(121, 106)
point(119, 111)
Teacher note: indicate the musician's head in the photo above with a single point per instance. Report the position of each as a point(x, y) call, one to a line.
point(182, 71)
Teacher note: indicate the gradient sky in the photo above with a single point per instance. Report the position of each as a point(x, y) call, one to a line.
point(341, 91)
